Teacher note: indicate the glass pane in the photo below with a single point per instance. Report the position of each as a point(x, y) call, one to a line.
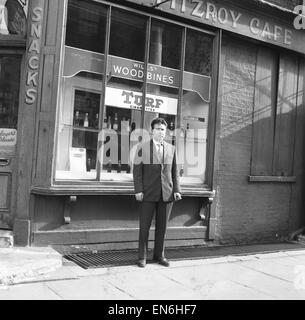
point(127, 35)
point(192, 140)
point(165, 45)
point(78, 127)
point(86, 25)
point(120, 134)
point(198, 52)
point(161, 102)
point(13, 17)
point(9, 91)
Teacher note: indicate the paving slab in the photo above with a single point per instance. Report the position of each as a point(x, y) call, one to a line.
point(151, 285)
point(88, 289)
point(25, 264)
point(228, 290)
point(272, 268)
point(28, 291)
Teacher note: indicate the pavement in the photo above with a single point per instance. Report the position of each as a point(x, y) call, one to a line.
point(42, 274)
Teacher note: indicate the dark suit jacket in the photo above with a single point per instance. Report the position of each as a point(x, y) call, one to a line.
point(152, 176)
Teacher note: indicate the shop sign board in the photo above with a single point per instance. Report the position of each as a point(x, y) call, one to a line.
point(77, 60)
point(224, 15)
point(130, 99)
point(134, 70)
point(8, 137)
point(33, 54)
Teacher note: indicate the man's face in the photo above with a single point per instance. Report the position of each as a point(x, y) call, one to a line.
point(159, 132)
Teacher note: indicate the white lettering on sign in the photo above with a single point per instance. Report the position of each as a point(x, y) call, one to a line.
point(8, 137)
point(135, 71)
point(214, 13)
point(133, 100)
point(33, 55)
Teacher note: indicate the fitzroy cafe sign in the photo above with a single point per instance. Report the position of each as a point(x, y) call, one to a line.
point(228, 17)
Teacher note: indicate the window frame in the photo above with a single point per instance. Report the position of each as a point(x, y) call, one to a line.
point(281, 58)
point(215, 52)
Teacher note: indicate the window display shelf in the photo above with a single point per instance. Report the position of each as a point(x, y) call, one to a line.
point(86, 129)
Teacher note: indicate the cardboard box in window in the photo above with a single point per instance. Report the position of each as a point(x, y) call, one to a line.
point(78, 159)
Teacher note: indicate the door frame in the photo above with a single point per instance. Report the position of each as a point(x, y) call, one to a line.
point(10, 210)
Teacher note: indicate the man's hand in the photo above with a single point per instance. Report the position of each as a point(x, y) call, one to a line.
point(177, 196)
point(139, 196)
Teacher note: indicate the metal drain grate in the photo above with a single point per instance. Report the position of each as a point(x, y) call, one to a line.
point(111, 258)
point(99, 259)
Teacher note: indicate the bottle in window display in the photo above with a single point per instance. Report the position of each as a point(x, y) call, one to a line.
point(76, 119)
point(182, 131)
point(116, 122)
point(119, 167)
point(89, 163)
point(187, 129)
point(125, 127)
point(86, 121)
point(96, 121)
point(109, 126)
point(171, 128)
point(105, 123)
point(133, 126)
point(181, 170)
point(128, 169)
point(109, 166)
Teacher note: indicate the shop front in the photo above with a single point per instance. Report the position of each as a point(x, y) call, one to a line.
point(13, 27)
point(98, 72)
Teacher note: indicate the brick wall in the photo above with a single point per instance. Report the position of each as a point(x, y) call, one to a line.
point(245, 212)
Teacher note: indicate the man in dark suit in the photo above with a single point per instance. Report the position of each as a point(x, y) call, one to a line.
point(156, 183)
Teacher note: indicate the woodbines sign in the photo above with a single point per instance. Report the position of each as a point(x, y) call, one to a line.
point(77, 60)
point(223, 15)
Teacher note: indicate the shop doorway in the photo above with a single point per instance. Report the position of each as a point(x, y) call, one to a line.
point(9, 102)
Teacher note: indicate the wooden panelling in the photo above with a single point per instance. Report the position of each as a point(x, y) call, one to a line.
point(47, 81)
point(263, 117)
point(286, 116)
point(42, 155)
point(54, 16)
point(297, 207)
point(52, 22)
point(113, 235)
point(4, 189)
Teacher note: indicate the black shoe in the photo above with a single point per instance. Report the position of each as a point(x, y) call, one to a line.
point(142, 263)
point(163, 261)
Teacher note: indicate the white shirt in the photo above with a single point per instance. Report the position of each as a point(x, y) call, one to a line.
point(158, 144)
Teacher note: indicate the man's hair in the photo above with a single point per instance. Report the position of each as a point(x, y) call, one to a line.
point(157, 121)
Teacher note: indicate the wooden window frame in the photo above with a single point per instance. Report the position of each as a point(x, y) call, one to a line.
point(127, 187)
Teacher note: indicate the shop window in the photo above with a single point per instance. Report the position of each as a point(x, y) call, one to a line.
point(79, 127)
point(86, 26)
point(198, 53)
point(127, 35)
point(9, 91)
point(274, 117)
point(165, 45)
point(102, 116)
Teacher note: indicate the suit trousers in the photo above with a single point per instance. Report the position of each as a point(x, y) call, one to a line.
point(163, 211)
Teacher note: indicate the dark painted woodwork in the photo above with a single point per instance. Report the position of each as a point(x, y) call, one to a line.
point(263, 116)
point(297, 202)
point(286, 116)
point(113, 237)
point(271, 179)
